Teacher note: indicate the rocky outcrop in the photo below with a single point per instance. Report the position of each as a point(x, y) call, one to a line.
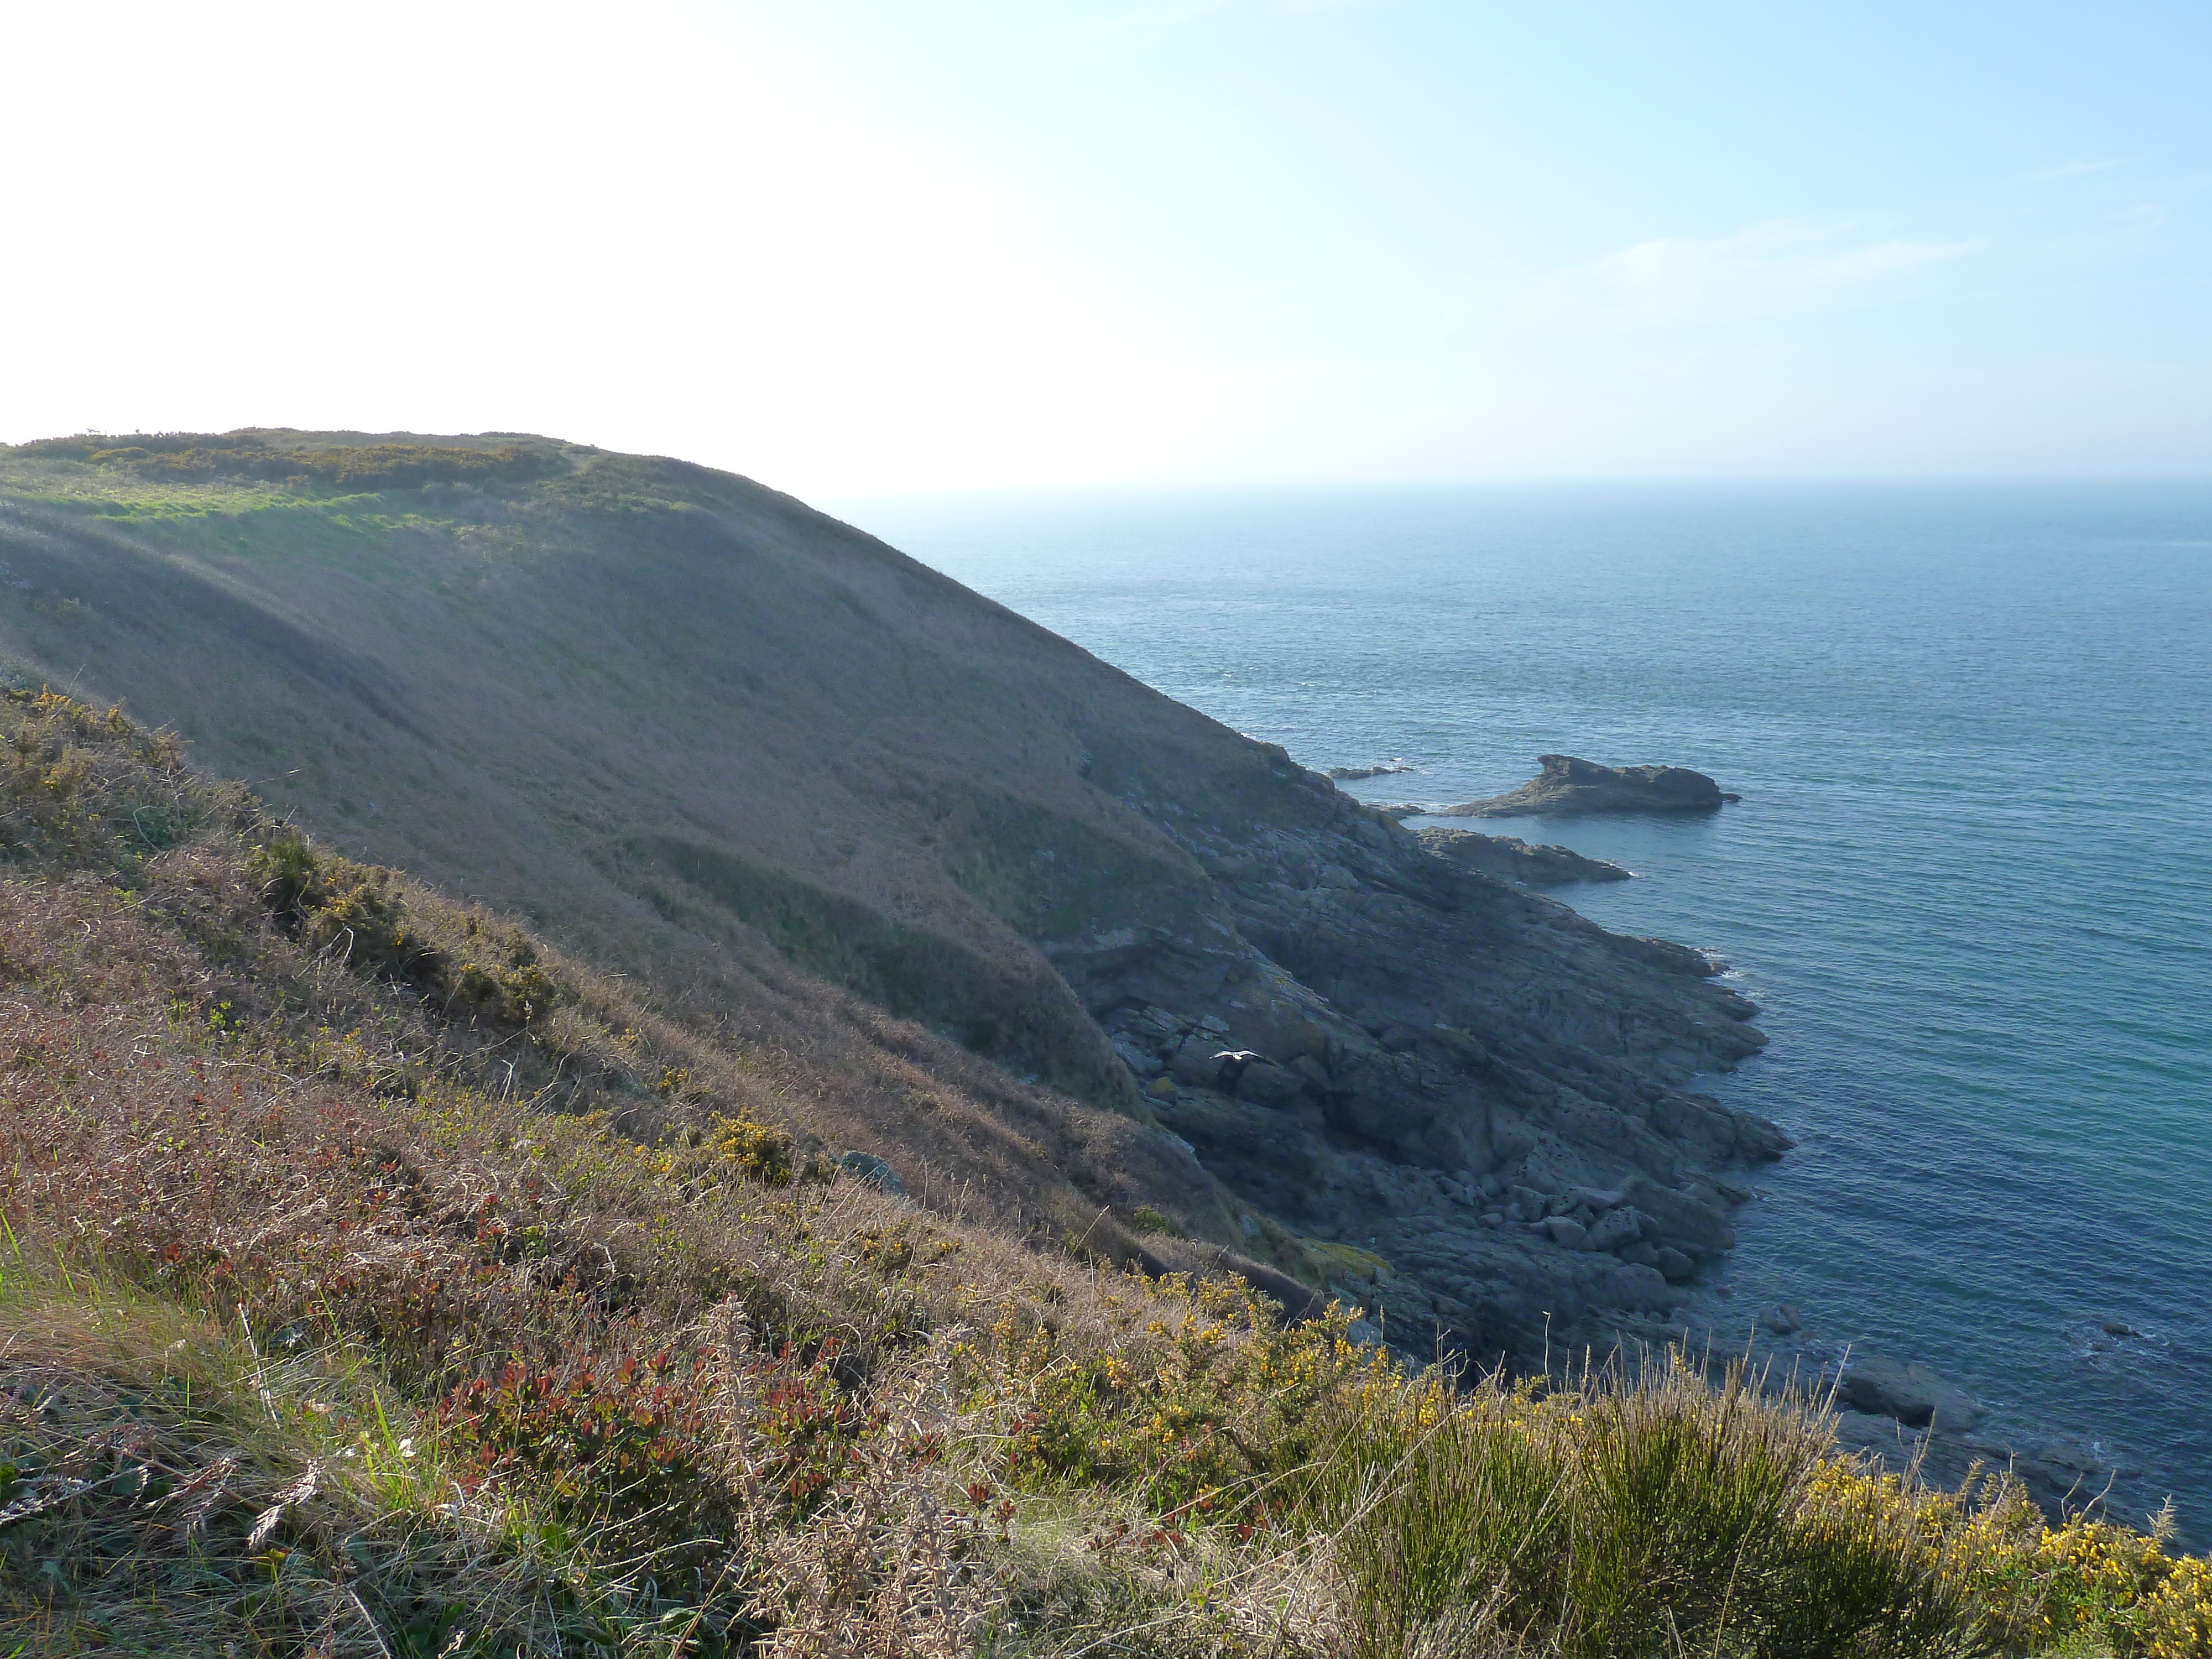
point(1567, 786)
point(1515, 859)
point(876, 1171)
point(1486, 1096)
point(1353, 773)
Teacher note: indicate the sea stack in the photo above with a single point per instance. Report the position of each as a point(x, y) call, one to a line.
point(1568, 785)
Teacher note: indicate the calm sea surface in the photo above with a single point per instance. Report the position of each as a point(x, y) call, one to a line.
point(1970, 881)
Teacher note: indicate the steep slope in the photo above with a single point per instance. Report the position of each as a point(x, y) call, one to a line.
point(794, 781)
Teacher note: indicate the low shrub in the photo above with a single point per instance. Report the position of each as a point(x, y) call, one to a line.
point(83, 787)
point(735, 1149)
point(621, 1445)
point(358, 914)
point(200, 457)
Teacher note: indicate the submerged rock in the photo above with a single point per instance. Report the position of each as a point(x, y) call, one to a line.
point(1913, 1395)
point(1569, 785)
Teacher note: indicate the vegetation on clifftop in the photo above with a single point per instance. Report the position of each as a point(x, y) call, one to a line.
point(376, 1281)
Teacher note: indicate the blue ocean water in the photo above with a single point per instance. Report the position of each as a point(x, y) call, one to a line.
point(1970, 882)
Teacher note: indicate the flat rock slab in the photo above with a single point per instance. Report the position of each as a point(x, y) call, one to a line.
point(1568, 785)
point(1510, 858)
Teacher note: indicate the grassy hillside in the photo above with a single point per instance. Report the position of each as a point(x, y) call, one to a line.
point(954, 887)
point(634, 697)
point(379, 1279)
point(593, 691)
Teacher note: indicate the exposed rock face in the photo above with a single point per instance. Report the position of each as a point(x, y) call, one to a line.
point(1515, 859)
point(1485, 1090)
point(1567, 785)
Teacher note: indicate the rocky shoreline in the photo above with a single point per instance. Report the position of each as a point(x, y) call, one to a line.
point(1515, 859)
point(1472, 1106)
point(1482, 1183)
point(1141, 980)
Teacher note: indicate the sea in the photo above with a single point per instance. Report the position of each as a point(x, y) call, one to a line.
point(1969, 882)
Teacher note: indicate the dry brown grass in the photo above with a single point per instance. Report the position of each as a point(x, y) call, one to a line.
point(207, 1106)
point(434, 1296)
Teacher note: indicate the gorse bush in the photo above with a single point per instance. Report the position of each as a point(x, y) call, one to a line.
point(1207, 1394)
point(354, 911)
point(82, 786)
point(732, 1150)
point(333, 903)
point(381, 1283)
point(1650, 1514)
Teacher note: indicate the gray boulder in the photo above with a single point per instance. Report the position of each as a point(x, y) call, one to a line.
point(1684, 1221)
point(1596, 1198)
point(867, 1166)
point(1783, 1321)
point(1913, 1395)
point(1567, 1231)
point(1138, 1058)
point(1198, 1062)
point(1615, 1230)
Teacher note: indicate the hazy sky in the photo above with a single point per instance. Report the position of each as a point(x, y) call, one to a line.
point(860, 245)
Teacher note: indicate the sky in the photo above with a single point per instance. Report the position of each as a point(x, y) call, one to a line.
point(857, 247)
